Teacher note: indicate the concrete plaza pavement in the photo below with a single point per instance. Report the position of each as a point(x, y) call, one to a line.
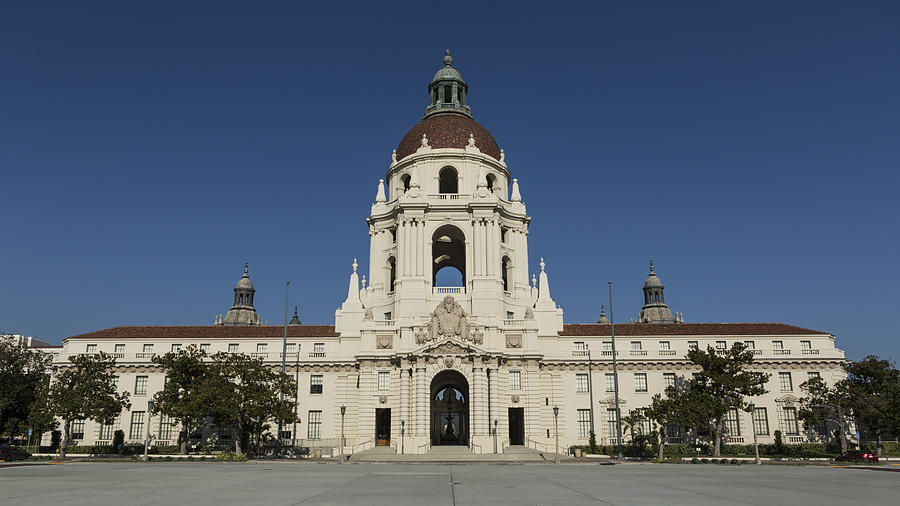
point(310, 483)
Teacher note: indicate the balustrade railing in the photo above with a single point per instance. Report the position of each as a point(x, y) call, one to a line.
point(514, 323)
point(579, 353)
point(317, 354)
point(781, 352)
point(666, 353)
point(638, 353)
point(144, 355)
point(810, 352)
point(448, 289)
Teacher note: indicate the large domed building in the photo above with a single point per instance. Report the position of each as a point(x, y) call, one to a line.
point(484, 363)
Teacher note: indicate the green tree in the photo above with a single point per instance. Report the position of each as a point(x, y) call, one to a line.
point(823, 403)
point(184, 397)
point(634, 421)
point(682, 406)
point(722, 383)
point(247, 397)
point(22, 374)
point(86, 390)
point(40, 416)
point(874, 387)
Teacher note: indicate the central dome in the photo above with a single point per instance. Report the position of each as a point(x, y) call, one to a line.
point(448, 130)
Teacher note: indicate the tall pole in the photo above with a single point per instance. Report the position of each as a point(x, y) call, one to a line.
point(296, 395)
point(612, 331)
point(287, 289)
point(752, 407)
point(591, 392)
point(556, 430)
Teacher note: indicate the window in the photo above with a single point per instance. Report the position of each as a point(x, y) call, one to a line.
point(448, 182)
point(813, 375)
point(732, 423)
point(607, 345)
point(285, 434)
point(115, 384)
point(176, 348)
point(611, 423)
point(610, 382)
point(314, 426)
point(581, 382)
point(640, 382)
point(777, 345)
point(262, 348)
point(784, 378)
point(584, 423)
point(291, 348)
point(790, 422)
point(148, 348)
point(77, 429)
point(692, 345)
point(720, 345)
point(165, 427)
point(140, 385)
point(644, 424)
point(805, 345)
point(579, 346)
point(750, 345)
point(107, 431)
point(509, 314)
point(761, 422)
point(635, 346)
point(315, 384)
point(664, 346)
point(384, 380)
point(90, 348)
point(515, 380)
point(204, 347)
point(387, 316)
point(224, 433)
point(120, 348)
point(319, 348)
point(669, 379)
point(233, 348)
point(137, 425)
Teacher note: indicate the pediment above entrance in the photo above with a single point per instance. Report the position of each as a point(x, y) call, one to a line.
point(448, 347)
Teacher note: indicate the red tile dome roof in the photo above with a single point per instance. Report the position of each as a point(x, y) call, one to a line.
point(448, 131)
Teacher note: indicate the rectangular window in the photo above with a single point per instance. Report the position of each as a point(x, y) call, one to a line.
point(140, 385)
point(148, 348)
point(137, 425)
point(384, 381)
point(805, 345)
point(176, 348)
point(314, 425)
point(790, 422)
point(664, 346)
point(387, 316)
point(120, 348)
point(777, 345)
point(515, 380)
point(640, 382)
point(732, 422)
point(750, 345)
point(584, 423)
point(761, 421)
point(204, 347)
point(720, 345)
point(784, 378)
point(607, 345)
point(692, 345)
point(581, 382)
point(669, 379)
point(319, 348)
point(165, 427)
point(579, 346)
point(90, 348)
point(106, 432)
point(262, 348)
point(291, 348)
point(611, 423)
point(635, 346)
point(115, 384)
point(813, 375)
point(315, 384)
point(77, 429)
point(644, 424)
point(233, 348)
point(610, 382)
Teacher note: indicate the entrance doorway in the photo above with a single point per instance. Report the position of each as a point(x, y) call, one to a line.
point(449, 409)
point(517, 426)
point(383, 427)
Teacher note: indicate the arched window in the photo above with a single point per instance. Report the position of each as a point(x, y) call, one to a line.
point(448, 182)
point(392, 266)
point(448, 255)
point(505, 273)
point(491, 182)
point(405, 180)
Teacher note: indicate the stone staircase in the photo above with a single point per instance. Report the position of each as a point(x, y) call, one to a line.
point(451, 454)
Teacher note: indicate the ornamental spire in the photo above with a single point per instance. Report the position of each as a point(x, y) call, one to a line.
point(447, 91)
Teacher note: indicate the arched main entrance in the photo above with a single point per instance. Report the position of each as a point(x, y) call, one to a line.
point(449, 409)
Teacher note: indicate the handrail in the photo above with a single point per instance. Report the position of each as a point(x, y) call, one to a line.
point(545, 448)
point(353, 447)
point(472, 447)
point(427, 445)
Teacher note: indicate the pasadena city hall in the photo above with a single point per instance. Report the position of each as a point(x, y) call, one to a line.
point(489, 366)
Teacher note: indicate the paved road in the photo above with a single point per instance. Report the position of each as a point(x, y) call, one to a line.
point(401, 484)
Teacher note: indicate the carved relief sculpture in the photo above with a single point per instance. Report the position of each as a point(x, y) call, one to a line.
point(513, 340)
point(448, 320)
point(385, 341)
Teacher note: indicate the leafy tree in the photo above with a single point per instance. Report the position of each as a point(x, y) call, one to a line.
point(722, 383)
point(184, 397)
point(682, 406)
point(40, 416)
point(22, 373)
point(874, 387)
point(823, 403)
point(86, 390)
point(247, 397)
point(633, 422)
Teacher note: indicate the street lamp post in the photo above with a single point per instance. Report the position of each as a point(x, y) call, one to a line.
point(752, 408)
point(402, 434)
point(590, 390)
point(147, 435)
point(287, 288)
point(343, 412)
point(612, 332)
point(495, 434)
point(556, 430)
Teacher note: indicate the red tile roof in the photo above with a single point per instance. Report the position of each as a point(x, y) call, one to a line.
point(206, 331)
point(687, 329)
point(448, 131)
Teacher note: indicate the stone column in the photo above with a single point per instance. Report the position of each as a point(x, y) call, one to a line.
point(421, 243)
point(482, 261)
point(491, 245)
point(421, 402)
point(478, 399)
point(401, 253)
point(404, 399)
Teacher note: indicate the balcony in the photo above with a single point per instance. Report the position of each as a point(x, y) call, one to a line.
point(781, 352)
point(259, 354)
point(796, 439)
point(385, 323)
point(145, 355)
point(514, 323)
point(735, 439)
point(810, 352)
point(638, 353)
point(449, 196)
point(580, 353)
point(666, 353)
point(317, 354)
point(118, 355)
point(440, 290)
point(608, 353)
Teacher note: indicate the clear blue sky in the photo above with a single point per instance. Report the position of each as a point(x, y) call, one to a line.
point(752, 151)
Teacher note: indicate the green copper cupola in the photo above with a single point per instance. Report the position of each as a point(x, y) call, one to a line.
point(448, 91)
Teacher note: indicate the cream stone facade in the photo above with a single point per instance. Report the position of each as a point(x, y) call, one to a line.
point(412, 364)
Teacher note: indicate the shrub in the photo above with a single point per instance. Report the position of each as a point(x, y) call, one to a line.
point(118, 439)
point(232, 457)
point(55, 440)
point(735, 462)
point(695, 461)
point(779, 442)
point(704, 461)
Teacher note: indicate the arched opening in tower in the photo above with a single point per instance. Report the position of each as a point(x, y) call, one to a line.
point(448, 254)
point(448, 181)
